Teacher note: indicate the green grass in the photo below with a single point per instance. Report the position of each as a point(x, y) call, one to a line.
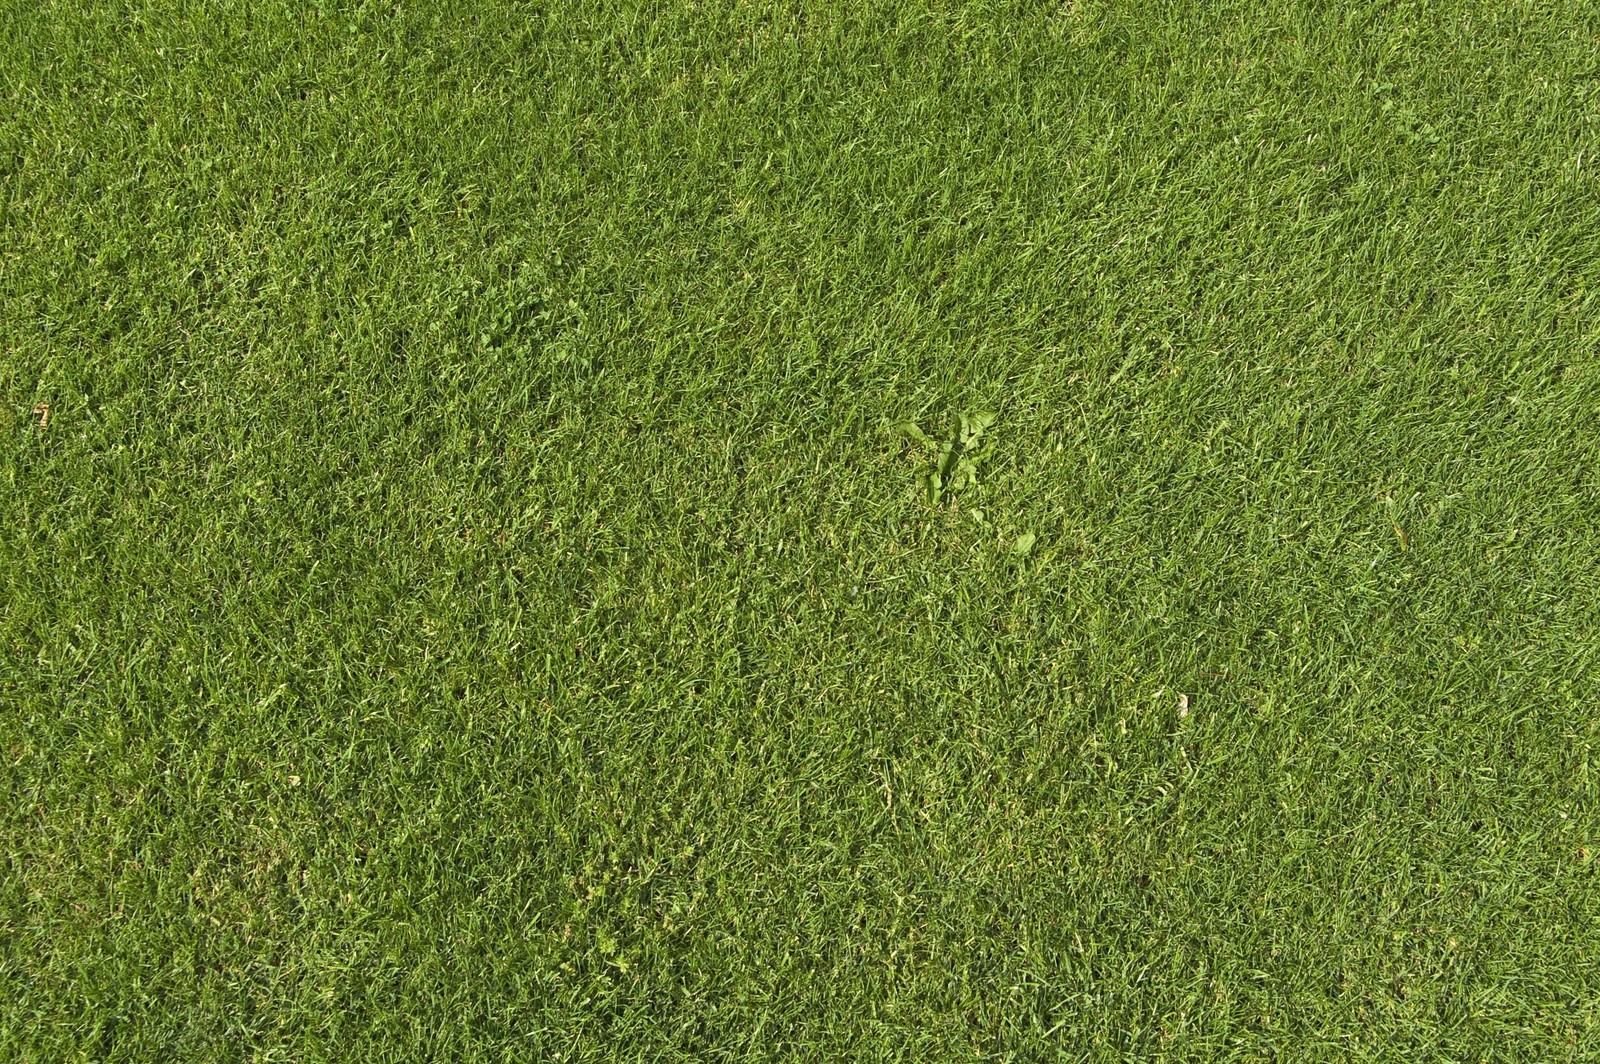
point(470, 599)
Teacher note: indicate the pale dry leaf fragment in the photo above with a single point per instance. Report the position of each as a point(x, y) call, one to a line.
point(1183, 706)
point(42, 412)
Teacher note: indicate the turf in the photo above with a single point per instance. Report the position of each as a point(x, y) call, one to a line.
point(469, 590)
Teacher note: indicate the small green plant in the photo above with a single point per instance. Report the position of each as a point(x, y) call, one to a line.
point(955, 465)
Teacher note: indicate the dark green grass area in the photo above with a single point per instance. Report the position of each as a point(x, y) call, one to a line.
point(469, 600)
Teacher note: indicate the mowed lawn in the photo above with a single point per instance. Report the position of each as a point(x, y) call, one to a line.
point(473, 583)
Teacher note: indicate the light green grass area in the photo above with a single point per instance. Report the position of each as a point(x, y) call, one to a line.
point(473, 592)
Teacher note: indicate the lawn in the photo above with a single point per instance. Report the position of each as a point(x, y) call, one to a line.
point(723, 531)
